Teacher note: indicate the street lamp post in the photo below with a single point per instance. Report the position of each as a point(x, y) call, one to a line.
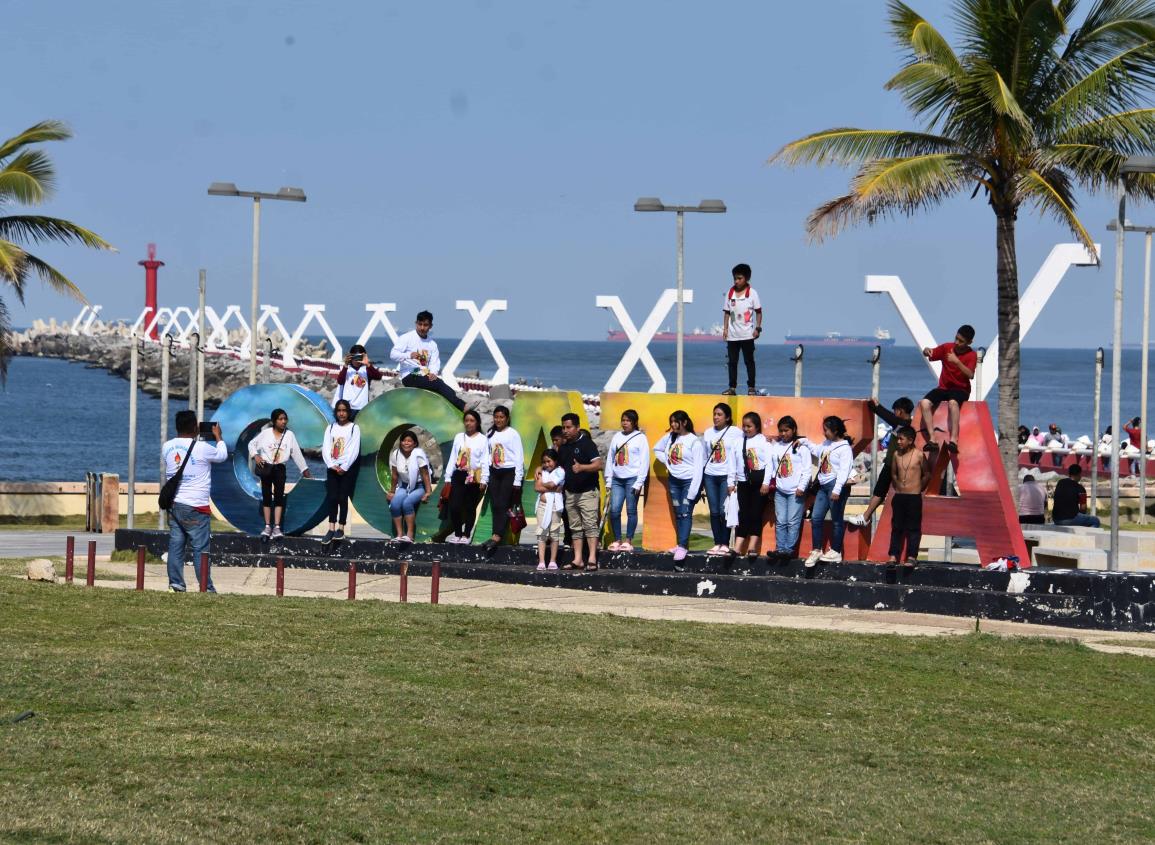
point(705, 206)
point(229, 189)
point(1132, 165)
point(1147, 232)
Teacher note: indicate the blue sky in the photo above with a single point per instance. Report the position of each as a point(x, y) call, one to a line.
point(489, 149)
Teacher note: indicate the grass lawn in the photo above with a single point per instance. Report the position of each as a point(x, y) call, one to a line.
point(163, 718)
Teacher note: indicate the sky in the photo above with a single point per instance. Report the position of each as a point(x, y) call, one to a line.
point(486, 149)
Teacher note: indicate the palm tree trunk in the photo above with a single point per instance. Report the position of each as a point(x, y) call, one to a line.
point(1008, 286)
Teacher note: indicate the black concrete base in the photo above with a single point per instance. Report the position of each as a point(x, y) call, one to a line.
point(1066, 597)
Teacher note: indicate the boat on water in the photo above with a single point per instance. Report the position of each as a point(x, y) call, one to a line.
point(881, 337)
point(695, 335)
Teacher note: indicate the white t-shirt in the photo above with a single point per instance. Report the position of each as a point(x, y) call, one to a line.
point(196, 483)
point(471, 456)
point(684, 456)
point(723, 452)
point(355, 388)
point(792, 465)
point(759, 456)
point(429, 360)
point(408, 470)
point(505, 452)
point(274, 449)
point(551, 502)
point(629, 457)
point(741, 316)
point(342, 445)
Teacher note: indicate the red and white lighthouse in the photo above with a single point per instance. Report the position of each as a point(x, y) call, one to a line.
point(150, 267)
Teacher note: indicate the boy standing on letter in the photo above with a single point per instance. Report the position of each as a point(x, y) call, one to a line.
point(741, 326)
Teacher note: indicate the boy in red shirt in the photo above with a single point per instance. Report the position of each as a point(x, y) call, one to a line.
point(954, 384)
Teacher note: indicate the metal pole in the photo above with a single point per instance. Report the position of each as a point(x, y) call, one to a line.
point(265, 377)
point(200, 352)
point(681, 285)
point(165, 366)
point(140, 552)
point(133, 374)
point(69, 558)
point(1095, 444)
point(875, 382)
point(194, 342)
point(980, 353)
point(256, 288)
point(90, 568)
point(1117, 374)
point(1143, 388)
point(797, 359)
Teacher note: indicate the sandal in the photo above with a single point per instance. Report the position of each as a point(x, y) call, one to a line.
point(591, 567)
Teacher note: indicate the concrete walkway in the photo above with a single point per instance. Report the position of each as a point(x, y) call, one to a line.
point(334, 585)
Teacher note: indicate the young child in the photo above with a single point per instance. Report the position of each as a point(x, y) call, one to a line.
point(911, 472)
point(741, 326)
point(557, 438)
point(954, 384)
point(898, 415)
point(835, 458)
point(792, 464)
point(548, 482)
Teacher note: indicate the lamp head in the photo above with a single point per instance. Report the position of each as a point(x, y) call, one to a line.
point(224, 189)
point(649, 204)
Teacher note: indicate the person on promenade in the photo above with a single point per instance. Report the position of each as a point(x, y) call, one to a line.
point(1069, 501)
point(723, 447)
point(354, 379)
point(270, 452)
point(410, 485)
point(1135, 433)
point(189, 518)
point(741, 326)
point(792, 465)
point(469, 460)
point(954, 384)
point(503, 474)
point(835, 458)
point(682, 453)
point(756, 474)
point(899, 415)
point(549, 482)
point(1036, 439)
point(910, 470)
point(1032, 502)
point(580, 459)
point(419, 363)
point(626, 473)
point(342, 452)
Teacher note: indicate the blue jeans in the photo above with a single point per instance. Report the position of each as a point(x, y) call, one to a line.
point(1083, 519)
point(405, 502)
point(622, 493)
point(716, 488)
point(788, 510)
point(187, 526)
point(683, 509)
point(823, 503)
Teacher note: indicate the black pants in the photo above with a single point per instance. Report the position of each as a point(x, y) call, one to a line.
point(273, 487)
point(434, 384)
point(339, 488)
point(905, 525)
point(747, 348)
point(751, 504)
point(463, 499)
point(882, 483)
point(500, 498)
point(1036, 519)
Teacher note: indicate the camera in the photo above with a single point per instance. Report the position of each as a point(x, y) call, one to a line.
point(206, 430)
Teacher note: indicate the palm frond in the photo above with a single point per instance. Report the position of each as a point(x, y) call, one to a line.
point(13, 270)
point(29, 178)
point(35, 228)
point(47, 130)
point(927, 88)
point(53, 277)
point(5, 341)
point(1110, 26)
point(1051, 194)
point(850, 146)
point(1116, 83)
point(916, 35)
point(1000, 96)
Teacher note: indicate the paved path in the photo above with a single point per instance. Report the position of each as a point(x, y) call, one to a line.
point(51, 543)
point(334, 585)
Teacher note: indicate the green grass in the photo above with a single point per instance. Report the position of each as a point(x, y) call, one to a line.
point(18, 566)
point(165, 718)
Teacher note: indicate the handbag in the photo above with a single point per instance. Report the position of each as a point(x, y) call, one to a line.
point(443, 501)
point(517, 520)
point(169, 490)
point(265, 469)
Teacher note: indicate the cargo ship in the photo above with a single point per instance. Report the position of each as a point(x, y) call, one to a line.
point(695, 335)
point(881, 337)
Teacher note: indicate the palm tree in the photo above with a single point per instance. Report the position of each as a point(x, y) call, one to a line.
point(27, 177)
point(1028, 108)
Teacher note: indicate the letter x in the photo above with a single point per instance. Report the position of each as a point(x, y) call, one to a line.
point(479, 328)
point(639, 351)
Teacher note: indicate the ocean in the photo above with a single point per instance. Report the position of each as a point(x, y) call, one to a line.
point(59, 419)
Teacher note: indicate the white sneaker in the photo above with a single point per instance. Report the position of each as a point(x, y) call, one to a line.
point(277, 533)
point(812, 558)
point(856, 519)
point(831, 557)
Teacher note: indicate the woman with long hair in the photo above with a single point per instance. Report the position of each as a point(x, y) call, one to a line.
point(341, 451)
point(468, 462)
point(723, 445)
point(410, 485)
point(626, 472)
point(835, 459)
point(270, 452)
point(792, 467)
point(681, 452)
point(503, 474)
point(757, 472)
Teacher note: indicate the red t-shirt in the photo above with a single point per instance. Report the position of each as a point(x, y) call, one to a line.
point(951, 377)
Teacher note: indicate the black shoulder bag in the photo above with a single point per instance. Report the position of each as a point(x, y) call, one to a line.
point(169, 490)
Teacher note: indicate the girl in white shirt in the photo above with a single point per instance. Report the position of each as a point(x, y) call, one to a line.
point(756, 474)
point(503, 474)
point(723, 445)
point(835, 458)
point(409, 485)
point(792, 468)
point(680, 450)
point(270, 452)
point(341, 451)
point(469, 463)
point(548, 482)
point(627, 468)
